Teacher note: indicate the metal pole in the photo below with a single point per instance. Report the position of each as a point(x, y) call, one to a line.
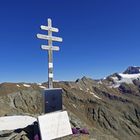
point(50, 57)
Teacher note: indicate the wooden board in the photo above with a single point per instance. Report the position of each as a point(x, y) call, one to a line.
point(46, 37)
point(49, 28)
point(53, 48)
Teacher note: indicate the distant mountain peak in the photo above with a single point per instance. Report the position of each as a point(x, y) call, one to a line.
point(132, 70)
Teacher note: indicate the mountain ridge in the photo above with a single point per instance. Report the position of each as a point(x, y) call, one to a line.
point(108, 112)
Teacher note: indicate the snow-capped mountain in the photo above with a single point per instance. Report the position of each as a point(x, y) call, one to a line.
point(129, 76)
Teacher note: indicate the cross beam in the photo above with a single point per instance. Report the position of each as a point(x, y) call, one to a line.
point(50, 48)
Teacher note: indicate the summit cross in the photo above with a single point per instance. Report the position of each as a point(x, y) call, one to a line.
point(50, 48)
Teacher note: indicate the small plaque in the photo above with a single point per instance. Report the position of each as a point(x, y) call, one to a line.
point(52, 100)
point(54, 125)
point(50, 75)
point(50, 65)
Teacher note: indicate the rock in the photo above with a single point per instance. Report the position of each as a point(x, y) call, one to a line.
point(136, 83)
point(124, 88)
point(22, 102)
point(132, 70)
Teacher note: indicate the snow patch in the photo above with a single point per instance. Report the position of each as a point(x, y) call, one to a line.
point(115, 78)
point(95, 95)
point(104, 78)
point(130, 76)
point(127, 78)
point(42, 87)
point(87, 89)
point(74, 105)
point(18, 85)
point(80, 88)
point(114, 85)
point(25, 85)
point(100, 82)
point(39, 84)
point(15, 122)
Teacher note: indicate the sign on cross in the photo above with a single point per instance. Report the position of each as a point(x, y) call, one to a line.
point(50, 48)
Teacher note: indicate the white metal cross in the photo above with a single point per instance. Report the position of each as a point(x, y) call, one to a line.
point(50, 48)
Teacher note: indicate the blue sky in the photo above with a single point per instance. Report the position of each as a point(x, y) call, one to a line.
point(100, 37)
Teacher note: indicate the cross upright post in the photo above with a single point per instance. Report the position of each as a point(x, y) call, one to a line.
point(50, 48)
point(50, 57)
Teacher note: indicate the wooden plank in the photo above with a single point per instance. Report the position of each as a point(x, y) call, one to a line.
point(46, 37)
point(49, 28)
point(53, 48)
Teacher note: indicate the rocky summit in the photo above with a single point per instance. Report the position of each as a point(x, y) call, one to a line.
point(132, 70)
point(108, 108)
